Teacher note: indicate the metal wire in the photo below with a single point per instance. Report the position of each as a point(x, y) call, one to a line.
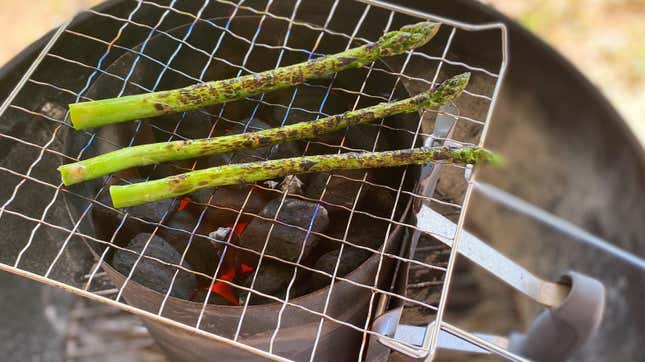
point(169, 12)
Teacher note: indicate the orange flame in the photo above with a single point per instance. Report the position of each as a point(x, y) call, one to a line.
point(225, 290)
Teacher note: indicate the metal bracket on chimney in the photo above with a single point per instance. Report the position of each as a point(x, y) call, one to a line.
point(544, 292)
point(574, 305)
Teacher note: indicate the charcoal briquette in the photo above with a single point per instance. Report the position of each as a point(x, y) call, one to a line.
point(151, 273)
point(286, 242)
point(350, 260)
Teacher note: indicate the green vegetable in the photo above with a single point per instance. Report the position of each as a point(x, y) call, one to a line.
point(114, 110)
point(178, 150)
point(173, 186)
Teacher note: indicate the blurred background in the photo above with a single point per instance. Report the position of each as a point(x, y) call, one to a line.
point(604, 38)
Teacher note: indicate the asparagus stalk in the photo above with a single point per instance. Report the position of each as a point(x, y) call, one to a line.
point(107, 111)
point(177, 185)
point(178, 150)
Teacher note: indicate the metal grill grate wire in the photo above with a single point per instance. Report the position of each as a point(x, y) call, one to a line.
point(172, 11)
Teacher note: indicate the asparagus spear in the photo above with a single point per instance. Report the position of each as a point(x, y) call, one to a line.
point(177, 185)
point(178, 150)
point(107, 111)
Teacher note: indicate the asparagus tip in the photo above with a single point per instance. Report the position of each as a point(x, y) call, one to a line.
point(425, 28)
point(453, 87)
point(480, 155)
point(408, 37)
point(446, 91)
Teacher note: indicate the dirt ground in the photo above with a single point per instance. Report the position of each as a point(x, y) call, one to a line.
point(602, 37)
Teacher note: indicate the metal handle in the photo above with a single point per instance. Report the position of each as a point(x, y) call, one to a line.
point(557, 332)
point(409, 339)
point(577, 302)
point(553, 336)
point(430, 221)
point(477, 251)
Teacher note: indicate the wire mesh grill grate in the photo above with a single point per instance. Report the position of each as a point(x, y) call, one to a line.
point(142, 46)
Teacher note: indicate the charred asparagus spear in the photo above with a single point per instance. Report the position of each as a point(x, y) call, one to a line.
point(140, 193)
point(107, 111)
point(169, 151)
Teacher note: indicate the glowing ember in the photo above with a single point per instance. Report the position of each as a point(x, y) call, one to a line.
point(230, 267)
point(183, 203)
point(246, 269)
point(239, 228)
